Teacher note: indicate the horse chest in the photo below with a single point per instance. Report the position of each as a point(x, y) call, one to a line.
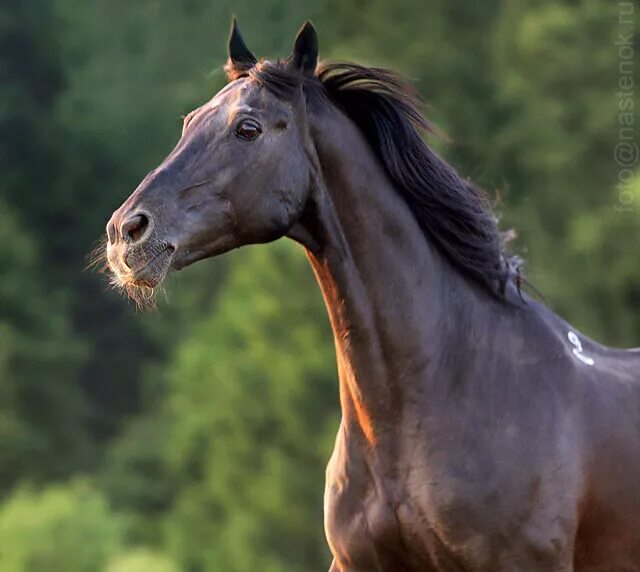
point(356, 510)
point(428, 521)
point(364, 515)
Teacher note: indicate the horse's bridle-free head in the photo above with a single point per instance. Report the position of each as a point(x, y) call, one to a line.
point(240, 174)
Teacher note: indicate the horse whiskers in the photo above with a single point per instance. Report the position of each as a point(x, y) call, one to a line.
point(97, 258)
point(143, 296)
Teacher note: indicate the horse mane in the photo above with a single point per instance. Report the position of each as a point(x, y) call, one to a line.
point(453, 213)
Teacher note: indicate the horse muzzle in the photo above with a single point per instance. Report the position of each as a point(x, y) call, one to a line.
point(135, 253)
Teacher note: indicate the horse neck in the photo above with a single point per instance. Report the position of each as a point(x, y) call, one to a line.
point(392, 299)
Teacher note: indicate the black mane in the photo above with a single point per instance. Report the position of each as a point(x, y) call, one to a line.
point(454, 214)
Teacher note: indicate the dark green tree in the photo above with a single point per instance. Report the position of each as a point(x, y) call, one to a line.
point(42, 411)
point(254, 412)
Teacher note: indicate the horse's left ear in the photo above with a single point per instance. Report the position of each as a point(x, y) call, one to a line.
point(305, 49)
point(240, 57)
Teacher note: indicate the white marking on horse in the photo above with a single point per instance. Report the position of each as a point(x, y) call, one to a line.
point(577, 349)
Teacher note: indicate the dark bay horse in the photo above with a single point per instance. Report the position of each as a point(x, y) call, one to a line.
point(480, 432)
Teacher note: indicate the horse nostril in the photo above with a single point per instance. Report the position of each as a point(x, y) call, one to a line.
point(133, 228)
point(111, 232)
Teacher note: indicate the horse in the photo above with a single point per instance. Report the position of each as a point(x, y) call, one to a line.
point(479, 431)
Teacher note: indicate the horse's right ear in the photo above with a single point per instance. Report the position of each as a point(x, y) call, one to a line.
point(305, 50)
point(240, 59)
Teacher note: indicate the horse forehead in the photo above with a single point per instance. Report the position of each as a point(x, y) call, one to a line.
point(229, 91)
point(246, 93)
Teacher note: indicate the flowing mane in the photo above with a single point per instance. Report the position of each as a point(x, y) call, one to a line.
point(453, 213)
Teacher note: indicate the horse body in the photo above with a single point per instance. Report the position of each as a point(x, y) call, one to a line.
point(473, 437)
point(542, 477)
point(479, 432)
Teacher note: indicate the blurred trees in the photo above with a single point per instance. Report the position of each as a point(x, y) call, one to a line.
point(60, 529)
point(142, 560)
point(202, 430)
point(264, 358)
point(42, 410)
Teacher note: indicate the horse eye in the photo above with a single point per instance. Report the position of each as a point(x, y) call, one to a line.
point(248, 129)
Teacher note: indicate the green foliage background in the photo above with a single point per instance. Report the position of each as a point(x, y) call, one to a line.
point(194, 439)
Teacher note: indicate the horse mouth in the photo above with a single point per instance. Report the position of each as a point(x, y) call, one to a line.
point(151, 273)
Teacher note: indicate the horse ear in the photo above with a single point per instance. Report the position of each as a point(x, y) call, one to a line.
point(240, 57)
point(305, 49)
